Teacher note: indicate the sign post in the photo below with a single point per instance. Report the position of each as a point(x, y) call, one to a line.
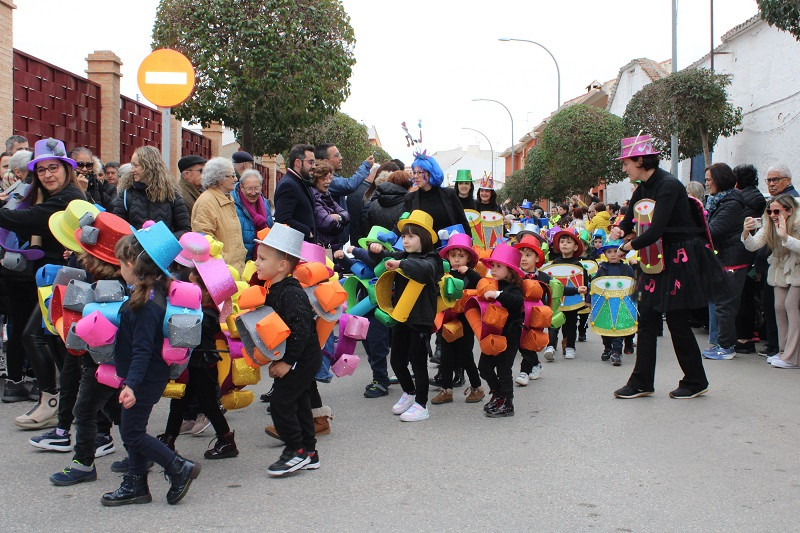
point(166, 78)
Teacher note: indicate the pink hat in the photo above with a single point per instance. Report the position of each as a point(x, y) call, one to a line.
point(194, 248)
point(217, 278)
point(314, 253)
point(460, 241)
point(638, 146)
point(505, 255)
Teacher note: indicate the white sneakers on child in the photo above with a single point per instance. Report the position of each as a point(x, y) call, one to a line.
point(403, 404)
point(569, 353)
point(415, 413)
point(549, 354)
point(536, 372)
point(522, 379)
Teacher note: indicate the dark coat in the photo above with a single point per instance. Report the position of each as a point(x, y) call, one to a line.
point(290, 301)
point(294, 205)
point(328, 228)
point(754, 202)
point(386, 206)
point(450, 202)
point(725, 224)
point(133, 205)
point(427, 269)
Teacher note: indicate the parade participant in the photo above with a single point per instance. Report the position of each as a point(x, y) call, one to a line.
point(531, 258)
point(689, 270)
point(465, 189)
point(418, 262)
point(780, 232)
point(496, 370)
point(144, 372)
point(487, 196)
point(277, 256)
point(214, 213)
point(569, 249)
point(613, 266)
point(147, 193)
point(441, 203)
point(462, 258)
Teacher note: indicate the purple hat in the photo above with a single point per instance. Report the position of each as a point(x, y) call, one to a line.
point(49, 149)
point(505, 255)
point(460, 241)
point(638, 146)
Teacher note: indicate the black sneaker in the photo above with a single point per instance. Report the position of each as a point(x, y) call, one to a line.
point(683, 393)
point(582, 337)
point(52, 441)
point(437, 381)
point(606, 355)
point(15, 391)
point(313, 461)
point(766, 351)
point(376, 390)
point(616, 359)
point(458, 378)
point(744, 347)
point(289, 461)
point(628, 350)
point(268, 396)
point(629, 391)
point(503, 408)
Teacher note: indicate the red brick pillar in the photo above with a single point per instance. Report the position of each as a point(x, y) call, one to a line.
point(7, 8)
point(104, 69)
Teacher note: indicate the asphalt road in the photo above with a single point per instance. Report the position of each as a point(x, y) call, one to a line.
point(572, 459)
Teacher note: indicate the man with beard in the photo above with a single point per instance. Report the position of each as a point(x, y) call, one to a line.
point(294, 202)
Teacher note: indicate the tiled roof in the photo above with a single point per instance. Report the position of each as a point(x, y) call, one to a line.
point(728, 35)
point(655, 71)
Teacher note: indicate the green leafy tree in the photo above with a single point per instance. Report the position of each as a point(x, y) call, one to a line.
point(577, 150)
point(782, 14)
point(693, 104)
point(264, 68)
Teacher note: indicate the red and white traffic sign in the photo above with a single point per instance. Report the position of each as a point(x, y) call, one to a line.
point(166, 77)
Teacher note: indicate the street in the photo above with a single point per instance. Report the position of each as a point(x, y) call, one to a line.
point(573, 458)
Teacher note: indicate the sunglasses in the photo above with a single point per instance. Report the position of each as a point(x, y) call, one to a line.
point(85, 165)
point(774, 211)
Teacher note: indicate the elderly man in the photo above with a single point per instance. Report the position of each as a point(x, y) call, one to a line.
point(242, 161)
point(779, 180)
point(294, 201)
point(191, 168)
point(15, 143)
point(112, 173)
point(214, 213)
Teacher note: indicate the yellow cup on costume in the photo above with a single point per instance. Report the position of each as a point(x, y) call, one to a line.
point(383, 295)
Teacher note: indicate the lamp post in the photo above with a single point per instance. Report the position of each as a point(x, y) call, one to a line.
point(558, 70)
point(490, 145)
point(512, 126)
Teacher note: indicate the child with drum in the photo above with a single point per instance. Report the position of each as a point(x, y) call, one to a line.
point(532, 258)
point(616, 267)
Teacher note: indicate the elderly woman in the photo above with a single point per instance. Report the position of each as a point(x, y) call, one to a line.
point(54, 186)
point(330, 217)
point(251, 207)
point(214, 212)
point(148, 192)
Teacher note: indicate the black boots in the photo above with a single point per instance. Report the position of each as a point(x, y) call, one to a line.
point(169, 440)
point(180, 474)
point(133, 490)
point(224, 447)
point(501, 407)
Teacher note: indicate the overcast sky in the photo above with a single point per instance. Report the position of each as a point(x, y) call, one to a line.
point(428, 59)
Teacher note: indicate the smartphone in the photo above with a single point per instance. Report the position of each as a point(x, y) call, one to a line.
point(757, 223)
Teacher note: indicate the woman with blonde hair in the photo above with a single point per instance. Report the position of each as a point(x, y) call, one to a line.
point(149, 192)
point(780, 231)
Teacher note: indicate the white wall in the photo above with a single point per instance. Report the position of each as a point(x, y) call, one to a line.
point(472, 158)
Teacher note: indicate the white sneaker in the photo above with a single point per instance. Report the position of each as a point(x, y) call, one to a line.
point(521, 379)
point(536, 372)
point(403, 404)
point(549, 354)
point(780, 363)
point(415, 413)
point(569, 353)
point(772, 358)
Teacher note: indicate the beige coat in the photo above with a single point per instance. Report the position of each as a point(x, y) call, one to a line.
point(783, 273)
point(215, 214)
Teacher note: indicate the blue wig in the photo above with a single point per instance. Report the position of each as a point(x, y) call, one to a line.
point(429, 165)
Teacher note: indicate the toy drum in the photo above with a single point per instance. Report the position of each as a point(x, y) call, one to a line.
point(652, 257)
point(569, 276)
point(613, 306)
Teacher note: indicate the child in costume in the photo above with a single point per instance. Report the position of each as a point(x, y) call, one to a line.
point(277, 256)
point(614, 266)
point(497, 369)
point(569, 249)
point(411, 339)
point(202, 369)
point(462, 258)
point(531, 258)
point(140, 364)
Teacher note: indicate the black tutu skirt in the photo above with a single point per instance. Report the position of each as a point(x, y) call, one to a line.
point(691, 270)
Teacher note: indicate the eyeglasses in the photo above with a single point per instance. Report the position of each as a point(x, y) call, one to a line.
point(774, 211)
point(52, 168)
point(309, 161)
point(86, 165)
point(419, 172)
point(773, 180)
point(252, 190)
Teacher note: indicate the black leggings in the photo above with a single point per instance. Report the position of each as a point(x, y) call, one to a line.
point(458, 354)
point(203, 386)
point(411, 344)
point(45, 352)
point(23, 300)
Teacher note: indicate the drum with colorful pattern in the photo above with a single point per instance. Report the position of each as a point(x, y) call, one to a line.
point(613, 306)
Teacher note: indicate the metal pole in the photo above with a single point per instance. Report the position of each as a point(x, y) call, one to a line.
point(488, 141)
point(558, 70)
point(165, 136)
point(673, 156)
point(512, 125)
point(711, 55)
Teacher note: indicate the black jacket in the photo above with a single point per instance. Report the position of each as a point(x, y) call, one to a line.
point(98, 193)
point(450, 202)
point(754, 202)
point(289, 300)
point(512, 299)
point(386, 206)
point(427, 269)
point(725, 223)
point(294, 205)
point(132, 205)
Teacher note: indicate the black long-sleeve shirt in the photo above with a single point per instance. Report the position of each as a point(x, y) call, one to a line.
point(427, 269)
point(289, 300)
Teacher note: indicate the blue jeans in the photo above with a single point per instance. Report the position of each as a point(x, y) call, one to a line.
point(377, 346)
point(324, 373)
point(713, 325)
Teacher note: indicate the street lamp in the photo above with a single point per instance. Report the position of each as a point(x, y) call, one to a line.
point(558, 70)
point(512, 126)
point(490, 145)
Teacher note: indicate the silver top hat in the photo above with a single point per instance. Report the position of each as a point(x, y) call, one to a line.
point(284, 239)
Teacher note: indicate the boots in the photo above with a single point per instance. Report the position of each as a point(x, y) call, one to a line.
point(43, 415)
point(321, 416)
point(225, 447)
point(458, 378)
point(488, 406)
point(444, 396)
point(474, 395)
point(180, 474)
point(169, 440)
point(133, 489)
point(503, 407)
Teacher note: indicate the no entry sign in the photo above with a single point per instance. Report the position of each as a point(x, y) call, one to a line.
point(166, 78)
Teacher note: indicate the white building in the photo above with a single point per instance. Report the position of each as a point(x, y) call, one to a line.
point(472, 158)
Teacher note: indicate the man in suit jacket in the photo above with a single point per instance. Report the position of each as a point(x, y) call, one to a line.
point(294, 202)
